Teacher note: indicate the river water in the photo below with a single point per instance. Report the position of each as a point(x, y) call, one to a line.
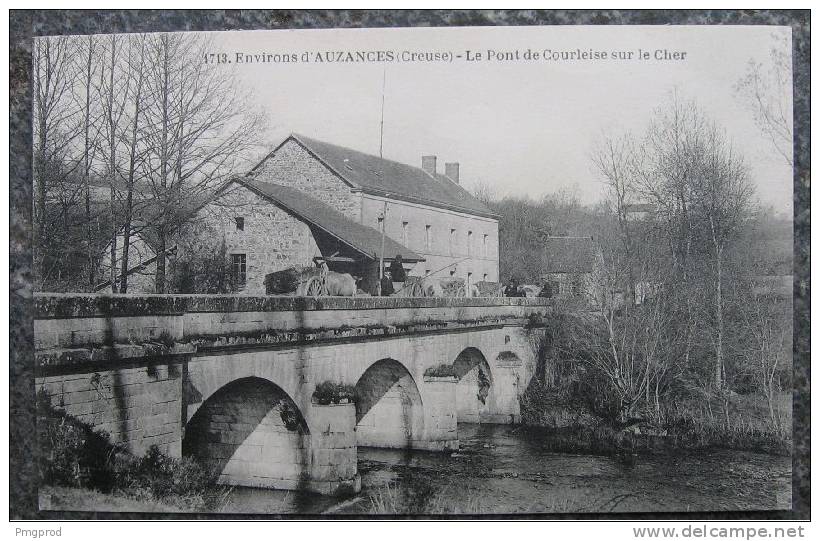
point(504, 469)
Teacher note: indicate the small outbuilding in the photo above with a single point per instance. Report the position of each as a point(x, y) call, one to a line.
point(569, 267)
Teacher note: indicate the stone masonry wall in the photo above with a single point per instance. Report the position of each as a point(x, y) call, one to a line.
point(294, 166)
point(443, 237)
point(271, 239)
point(137, 407)
point(253, 435)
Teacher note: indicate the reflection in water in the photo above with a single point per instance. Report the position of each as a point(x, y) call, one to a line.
point(504, 469)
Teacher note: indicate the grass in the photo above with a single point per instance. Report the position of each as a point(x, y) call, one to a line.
point(731, 421)
point(390, 500)
point(59, 498)
point(740, 422)
point(452, 500)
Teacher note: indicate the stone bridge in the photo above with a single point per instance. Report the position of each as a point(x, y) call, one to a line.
point(232, 380)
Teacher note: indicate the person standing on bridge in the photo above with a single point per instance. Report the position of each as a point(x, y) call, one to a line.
point(397, 272)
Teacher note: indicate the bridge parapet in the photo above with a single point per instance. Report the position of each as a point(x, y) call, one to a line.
point(76, 328)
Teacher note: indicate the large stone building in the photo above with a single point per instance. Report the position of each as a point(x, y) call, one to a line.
point(428, 212)
point(308, 201)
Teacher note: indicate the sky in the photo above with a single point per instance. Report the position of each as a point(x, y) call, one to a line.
point(521, 127)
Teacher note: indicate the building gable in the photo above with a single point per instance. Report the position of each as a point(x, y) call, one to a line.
point(378, 176)
point(293, 165)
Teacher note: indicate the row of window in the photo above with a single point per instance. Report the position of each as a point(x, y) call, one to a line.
point(428, 238)
point(453, 240)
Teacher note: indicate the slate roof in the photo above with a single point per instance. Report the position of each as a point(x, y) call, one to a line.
point(363, 239)
point(379, 176)
point(569, 255)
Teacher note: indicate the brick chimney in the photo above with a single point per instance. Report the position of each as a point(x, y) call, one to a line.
point(451, 171)
point(428, 163)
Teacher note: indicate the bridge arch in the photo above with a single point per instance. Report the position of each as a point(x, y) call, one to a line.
point(475, 391)
point(389, 409)
point(253, 434)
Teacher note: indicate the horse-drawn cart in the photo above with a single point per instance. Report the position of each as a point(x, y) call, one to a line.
point(296, 281)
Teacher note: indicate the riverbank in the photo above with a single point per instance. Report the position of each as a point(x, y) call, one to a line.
point(504, 469)
point(507, 470)
point(730, 422)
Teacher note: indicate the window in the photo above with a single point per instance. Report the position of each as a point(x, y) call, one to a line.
point(452, 241)
point(427, 237)
point(404, 233)
point(576, 285)
point(240, 223)
point(484, 246)
point(427, 272)
point(238, 269)
point(485, 277)
point(469, 243)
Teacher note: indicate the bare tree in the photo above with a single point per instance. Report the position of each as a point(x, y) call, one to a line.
point(197, 127)
point(766, 342)
point(630, 351)
point(618, 161)
point(721, 200)
point(85, 51)
point(52, 112)
point(764, 90)
point(674, 144)
point(113, 91)
point(484, 192)
point(136, 71)
point(699, 188)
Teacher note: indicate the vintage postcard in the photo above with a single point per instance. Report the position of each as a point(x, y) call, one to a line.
point(414, 271)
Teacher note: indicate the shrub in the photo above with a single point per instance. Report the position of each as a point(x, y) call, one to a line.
point(167, 476)
point(441, 371)
point(73, 454)
point(328, 392)
point(166, 339)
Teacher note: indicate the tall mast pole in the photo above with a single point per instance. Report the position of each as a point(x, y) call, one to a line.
point(381, 258)
point(384, 210)
point(381, 125)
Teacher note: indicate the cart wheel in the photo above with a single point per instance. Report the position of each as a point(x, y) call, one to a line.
point(314, 287)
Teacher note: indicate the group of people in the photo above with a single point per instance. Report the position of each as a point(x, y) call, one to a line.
point(512, 289)
point(396, 273)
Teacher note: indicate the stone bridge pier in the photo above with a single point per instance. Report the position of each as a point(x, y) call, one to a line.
point(232, 380)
